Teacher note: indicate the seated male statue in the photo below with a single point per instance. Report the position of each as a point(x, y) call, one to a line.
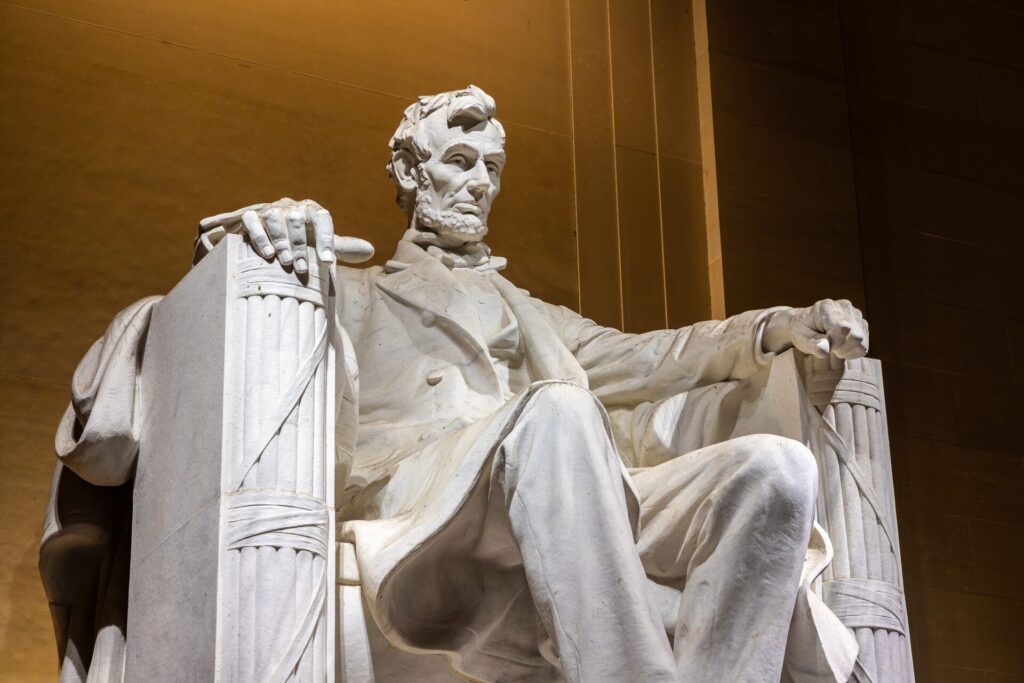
point(500, 517)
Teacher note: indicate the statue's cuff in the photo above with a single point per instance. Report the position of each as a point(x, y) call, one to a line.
point(761, 357)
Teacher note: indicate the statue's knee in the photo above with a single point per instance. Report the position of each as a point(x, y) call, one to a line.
point(782, 469)
point(565, 404)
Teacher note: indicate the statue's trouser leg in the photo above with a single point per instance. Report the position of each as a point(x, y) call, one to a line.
point(730, 523)
point(564, 489)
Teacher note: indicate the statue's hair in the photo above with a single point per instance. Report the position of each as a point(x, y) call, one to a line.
point(468, 106)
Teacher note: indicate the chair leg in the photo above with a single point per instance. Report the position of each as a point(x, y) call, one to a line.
point(352, 657)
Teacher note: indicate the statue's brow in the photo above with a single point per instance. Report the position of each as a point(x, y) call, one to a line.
point(462, 145)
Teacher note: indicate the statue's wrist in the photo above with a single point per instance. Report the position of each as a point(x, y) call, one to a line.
point(777, 336)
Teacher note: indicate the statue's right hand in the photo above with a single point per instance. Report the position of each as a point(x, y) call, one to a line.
point(282, 230)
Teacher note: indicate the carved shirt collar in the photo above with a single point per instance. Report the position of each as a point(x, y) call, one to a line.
point(418, 244)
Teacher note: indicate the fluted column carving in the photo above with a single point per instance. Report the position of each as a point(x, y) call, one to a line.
point(278, 540)
point(864, 583)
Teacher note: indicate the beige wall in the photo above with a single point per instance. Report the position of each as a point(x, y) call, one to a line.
point(645, 248)
point(123, 123)
point(861, 149)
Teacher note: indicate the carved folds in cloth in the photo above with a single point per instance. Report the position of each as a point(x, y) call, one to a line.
point(233, 533)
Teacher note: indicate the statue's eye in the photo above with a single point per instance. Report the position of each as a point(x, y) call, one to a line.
point(459, 160)
point(493, 168)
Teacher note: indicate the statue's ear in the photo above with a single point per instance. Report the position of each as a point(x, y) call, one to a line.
point(406, 170)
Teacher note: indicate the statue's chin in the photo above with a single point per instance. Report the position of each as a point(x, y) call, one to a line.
point(452, 227)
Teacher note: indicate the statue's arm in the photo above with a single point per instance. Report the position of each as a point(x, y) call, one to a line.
point(625, 368)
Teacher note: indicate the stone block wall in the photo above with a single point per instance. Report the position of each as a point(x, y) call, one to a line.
point(669, 162)
point(936, 92)
point(873, 150)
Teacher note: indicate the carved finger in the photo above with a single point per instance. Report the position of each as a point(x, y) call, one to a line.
point(849, 311)
point(296, 219)
point(810, 341)
point(831, 315)
point(854, 346)
point(257, 235)
point(309, 206)
point(274, 219)
point(323, 233)
point(230, 220)
point(844, 326)
point(822, 315)
point(838, 333)
point(352, 249)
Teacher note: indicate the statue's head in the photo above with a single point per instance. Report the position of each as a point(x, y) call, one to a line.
point(446, 160)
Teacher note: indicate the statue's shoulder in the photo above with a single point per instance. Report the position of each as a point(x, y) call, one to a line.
point(358, 277)
point(357, 291)
point(506, 283)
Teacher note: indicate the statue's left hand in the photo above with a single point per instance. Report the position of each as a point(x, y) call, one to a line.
point(827, 327)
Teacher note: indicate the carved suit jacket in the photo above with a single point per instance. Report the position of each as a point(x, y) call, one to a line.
point(432, 408)
point(429, 410)
point(425, 368)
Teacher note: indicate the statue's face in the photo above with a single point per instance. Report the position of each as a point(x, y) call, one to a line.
point(460, 180)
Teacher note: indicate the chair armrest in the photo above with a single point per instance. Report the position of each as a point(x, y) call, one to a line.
point(837, 408)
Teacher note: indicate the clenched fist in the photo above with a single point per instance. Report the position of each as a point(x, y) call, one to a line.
point(284, 228)
point(827, 327)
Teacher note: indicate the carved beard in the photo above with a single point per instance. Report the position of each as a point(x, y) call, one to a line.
point(453, 227)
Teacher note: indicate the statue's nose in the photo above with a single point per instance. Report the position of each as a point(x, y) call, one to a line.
point(479, 185)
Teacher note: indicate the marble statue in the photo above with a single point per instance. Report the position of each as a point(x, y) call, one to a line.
point(519, 493)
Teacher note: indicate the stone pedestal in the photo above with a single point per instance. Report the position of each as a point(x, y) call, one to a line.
point(232, 572)
point(846, 430)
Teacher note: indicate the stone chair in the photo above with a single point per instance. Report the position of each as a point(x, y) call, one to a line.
point(234, 563)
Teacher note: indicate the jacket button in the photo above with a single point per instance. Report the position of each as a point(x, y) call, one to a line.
point(434, 377)
point(428, 318)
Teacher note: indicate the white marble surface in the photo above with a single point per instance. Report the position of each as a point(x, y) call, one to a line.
point(482, 440)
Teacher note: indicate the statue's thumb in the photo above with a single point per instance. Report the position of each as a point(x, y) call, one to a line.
point(809, 341)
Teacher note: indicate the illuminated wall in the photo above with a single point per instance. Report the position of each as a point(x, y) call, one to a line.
point(649, 255)
point(124, 123)
point(868, 150)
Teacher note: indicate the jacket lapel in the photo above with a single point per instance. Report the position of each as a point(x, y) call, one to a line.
point(547, 354)
point(429, 286)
